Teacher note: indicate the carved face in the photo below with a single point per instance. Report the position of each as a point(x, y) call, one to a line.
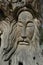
point(25, 27)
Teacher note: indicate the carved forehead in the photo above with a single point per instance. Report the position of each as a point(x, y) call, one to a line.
point(25, 16)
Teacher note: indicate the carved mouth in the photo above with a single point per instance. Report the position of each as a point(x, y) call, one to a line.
point(23, 42)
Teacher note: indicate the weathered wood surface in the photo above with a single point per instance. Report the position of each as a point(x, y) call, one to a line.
point(19, 32)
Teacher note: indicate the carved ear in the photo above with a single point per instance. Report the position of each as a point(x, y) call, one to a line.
point(37, 22)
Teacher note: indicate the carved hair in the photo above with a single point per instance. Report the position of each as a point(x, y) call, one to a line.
point(35, 39)
point(28, 7)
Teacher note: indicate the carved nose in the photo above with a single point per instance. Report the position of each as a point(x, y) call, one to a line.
point(23, 37)
point(23, 33)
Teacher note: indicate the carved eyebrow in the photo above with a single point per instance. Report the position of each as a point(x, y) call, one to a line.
point(29, 22)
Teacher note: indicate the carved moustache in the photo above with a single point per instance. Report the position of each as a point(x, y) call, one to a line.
point(22, 41)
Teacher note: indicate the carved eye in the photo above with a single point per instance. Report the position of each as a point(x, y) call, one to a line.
point(30, 25)
point(20, 24)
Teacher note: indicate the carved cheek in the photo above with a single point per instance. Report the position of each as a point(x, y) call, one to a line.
point(30, 32)
point(18, 31)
